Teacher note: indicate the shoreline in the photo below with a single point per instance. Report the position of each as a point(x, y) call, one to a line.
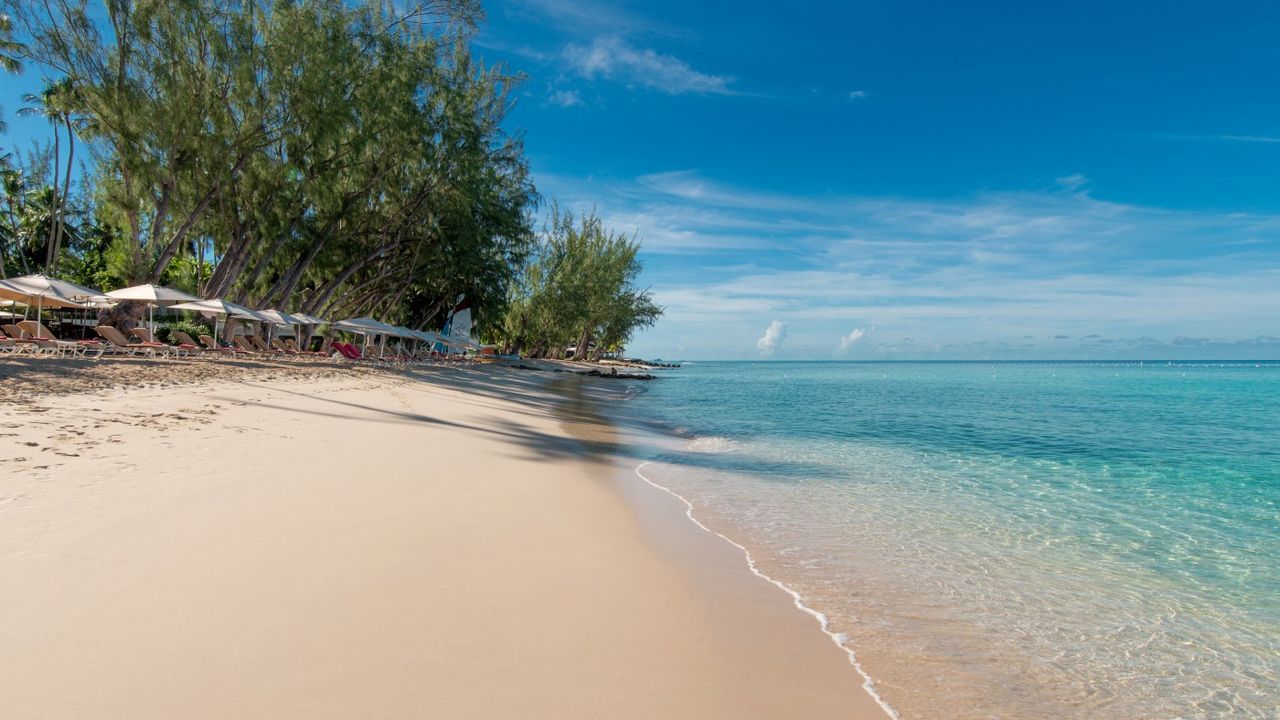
point(586, 421)
point(838, 639)
point(168, 512)
point(702, 552)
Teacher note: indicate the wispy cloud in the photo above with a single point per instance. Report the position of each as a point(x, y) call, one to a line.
point(565, 98)
point(990, 267)
point(1072, 182)
point(857, 94)
point(584, 16)
point(614, 58)
point(1223, 137)
point(1251, 138)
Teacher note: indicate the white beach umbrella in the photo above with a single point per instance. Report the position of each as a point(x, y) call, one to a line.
point(278, 317)
point(309, 319)
point(368, 326)
point(218, 306)
point(41, 291)
point(154, 296)
point(221, 308)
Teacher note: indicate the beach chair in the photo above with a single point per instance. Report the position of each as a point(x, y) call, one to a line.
point(45, 340)
point(212, 345)
point(289, 343)
point(147, 338)
point(261, 346)
point(8, 344)
point(120, 344)
point(243, 346)
point(293, 352)
point(350, 352)
point(18, 341)
point(186, 343)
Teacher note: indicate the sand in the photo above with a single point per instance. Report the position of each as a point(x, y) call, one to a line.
point(370, 544)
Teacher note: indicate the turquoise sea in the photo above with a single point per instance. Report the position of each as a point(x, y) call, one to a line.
point(1012, 540)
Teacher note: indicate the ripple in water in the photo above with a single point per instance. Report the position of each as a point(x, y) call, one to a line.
point(1044, 544)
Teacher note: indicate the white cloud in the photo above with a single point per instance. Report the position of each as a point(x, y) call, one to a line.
point(987, 267)
point(771, 341)
point(857, 94)
point(848, 341)
point(565, 98)
point(1268, 139)
point(1251, 138)
point(584, 16)
point(613, 58)
point(1072, 182)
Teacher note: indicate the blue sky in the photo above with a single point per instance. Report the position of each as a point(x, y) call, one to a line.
point(920, 179)
point(881, 180)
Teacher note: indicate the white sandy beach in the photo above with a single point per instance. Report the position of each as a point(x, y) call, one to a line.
point(371, 545)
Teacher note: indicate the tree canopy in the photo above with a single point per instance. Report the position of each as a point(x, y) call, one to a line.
point(335, 157)
point(579, 290)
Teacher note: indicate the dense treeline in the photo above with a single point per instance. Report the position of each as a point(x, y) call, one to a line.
point(333, 157)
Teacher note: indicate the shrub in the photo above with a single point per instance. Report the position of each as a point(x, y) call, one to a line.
point(164, 333)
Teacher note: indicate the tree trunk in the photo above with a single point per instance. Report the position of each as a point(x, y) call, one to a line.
point(327, 290)
point(175, 242)
point(66, 191)
point(53, 202)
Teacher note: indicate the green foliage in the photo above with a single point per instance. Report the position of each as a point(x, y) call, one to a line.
point(164, 333)
point(578, 290)
point(10, 50)
point(334, 157)
point(10, 54)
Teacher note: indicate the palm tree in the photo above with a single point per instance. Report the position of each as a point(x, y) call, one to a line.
point(9, 54)
point(57, 104)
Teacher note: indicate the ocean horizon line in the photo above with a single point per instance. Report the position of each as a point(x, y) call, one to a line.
point(962, 361)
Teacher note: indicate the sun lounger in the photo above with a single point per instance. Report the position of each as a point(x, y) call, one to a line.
point(290, 349)
point(243, 346)
point(146, 337)
point(53, 346)
point(19, 341)
point(8, 344)
point(261, 346)
point(348, 351)
point(212, 345)
point(186, 343)
point(120, 344)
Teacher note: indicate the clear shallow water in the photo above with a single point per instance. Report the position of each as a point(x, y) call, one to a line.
point(1006, 540)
